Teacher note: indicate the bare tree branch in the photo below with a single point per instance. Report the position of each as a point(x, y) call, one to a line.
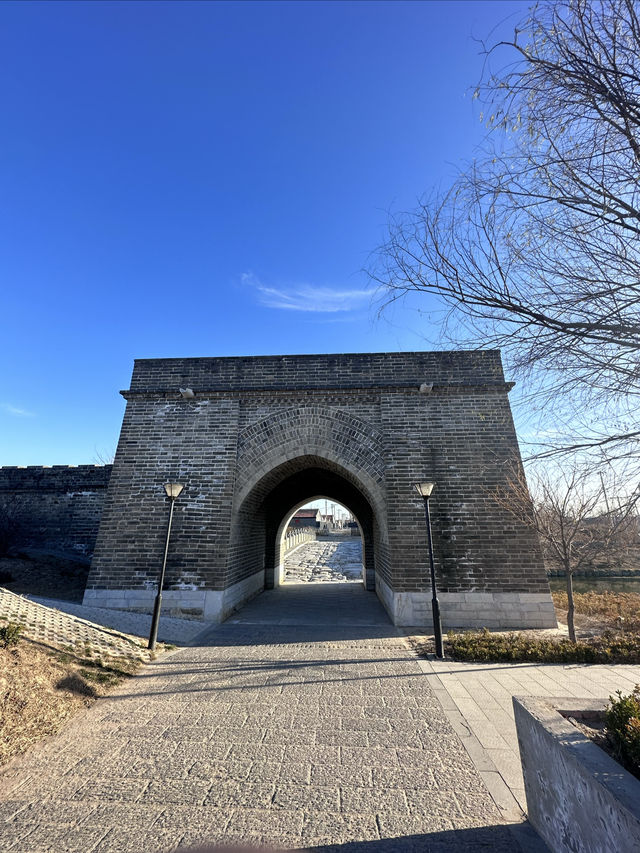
point(580, 518)
point(535, 248)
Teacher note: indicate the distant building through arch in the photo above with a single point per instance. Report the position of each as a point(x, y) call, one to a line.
point(255, 438)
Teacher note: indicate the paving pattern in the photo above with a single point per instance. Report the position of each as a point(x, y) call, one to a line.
point(60, 630)
point(477, 698)
point(327, 560)
point(299, 725)
point(181, 632)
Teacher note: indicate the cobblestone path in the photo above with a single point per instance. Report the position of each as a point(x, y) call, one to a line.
point(302, 735)
point(325, 561)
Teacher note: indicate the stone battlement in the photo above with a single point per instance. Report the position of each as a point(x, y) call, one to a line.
point(58, 478)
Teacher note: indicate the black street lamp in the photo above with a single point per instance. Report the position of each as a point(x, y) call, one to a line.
point(172, 490)
point(424, 490)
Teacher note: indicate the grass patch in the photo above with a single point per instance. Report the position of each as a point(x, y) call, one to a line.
point(10, 635)
point(612, 635)
point(42, 688)
point(618, 610)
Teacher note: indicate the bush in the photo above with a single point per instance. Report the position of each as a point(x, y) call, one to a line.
point(623, 727)
point(522, 648)
point(10, 635)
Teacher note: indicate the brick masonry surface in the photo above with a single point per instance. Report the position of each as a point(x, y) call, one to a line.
point(300, 736)
point(263, 435)
point(57, 507)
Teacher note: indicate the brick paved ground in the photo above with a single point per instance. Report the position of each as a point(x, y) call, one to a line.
point(304, 722)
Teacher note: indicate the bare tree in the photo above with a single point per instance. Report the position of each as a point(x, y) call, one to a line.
point(579, 518)
point(104, 457)
point(536, 248)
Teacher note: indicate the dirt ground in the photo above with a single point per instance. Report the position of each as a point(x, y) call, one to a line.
point(42, 687)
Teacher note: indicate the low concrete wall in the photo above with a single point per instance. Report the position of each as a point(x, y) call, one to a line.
point(210, 605)
point(579, 799)
point(498, 610)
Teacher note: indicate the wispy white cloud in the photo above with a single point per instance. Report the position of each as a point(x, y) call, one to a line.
point(16, 411)
point(308, 297)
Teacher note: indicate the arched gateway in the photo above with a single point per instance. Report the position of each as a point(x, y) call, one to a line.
point(260, 436)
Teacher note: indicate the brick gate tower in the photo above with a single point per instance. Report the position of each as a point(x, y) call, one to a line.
point(260, 436)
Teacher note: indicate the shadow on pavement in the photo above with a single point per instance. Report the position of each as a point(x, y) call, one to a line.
point(506, 838)
point(500, 838)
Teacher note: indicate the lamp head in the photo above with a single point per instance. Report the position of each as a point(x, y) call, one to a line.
point(424, 489)
point(173, 490)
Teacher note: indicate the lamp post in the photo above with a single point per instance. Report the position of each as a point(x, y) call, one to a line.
point(424, 490)
point(172, 490)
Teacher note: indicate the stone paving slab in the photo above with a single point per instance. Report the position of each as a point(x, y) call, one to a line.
point(315, 735)
point(477, 698)
point(328, 560)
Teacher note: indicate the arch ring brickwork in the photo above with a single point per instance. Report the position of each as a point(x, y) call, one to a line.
point(307, 445)
point(311, 430)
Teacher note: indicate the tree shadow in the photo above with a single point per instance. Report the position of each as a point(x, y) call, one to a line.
point(75, 684)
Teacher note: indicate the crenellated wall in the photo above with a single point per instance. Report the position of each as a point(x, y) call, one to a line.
point(56, 507)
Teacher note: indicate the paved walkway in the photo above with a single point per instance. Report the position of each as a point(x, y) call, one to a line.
point(477, 700)
point(301, 725)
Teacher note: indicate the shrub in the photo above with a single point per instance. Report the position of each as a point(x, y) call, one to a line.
point(485, 646)
point(10, 635)
point(623, 727)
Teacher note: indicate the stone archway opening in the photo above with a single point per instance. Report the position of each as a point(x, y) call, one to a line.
point(319, 541)
point(270, 503)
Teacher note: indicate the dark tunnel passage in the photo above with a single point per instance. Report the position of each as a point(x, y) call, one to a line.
point(262, 517)
point(304, 486)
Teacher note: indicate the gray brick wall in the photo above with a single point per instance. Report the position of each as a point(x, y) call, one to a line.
point(266, 433)
point(56, 508)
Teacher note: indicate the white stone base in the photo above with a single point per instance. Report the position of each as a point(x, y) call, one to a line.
point(497, 610)
point(211, 605)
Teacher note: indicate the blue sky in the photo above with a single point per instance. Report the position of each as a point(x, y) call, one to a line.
point(206, 179)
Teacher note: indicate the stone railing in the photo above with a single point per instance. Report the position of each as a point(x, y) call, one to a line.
point(294, 538)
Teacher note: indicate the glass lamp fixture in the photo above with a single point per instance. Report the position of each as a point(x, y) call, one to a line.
point(173, 489)
point(424, 489)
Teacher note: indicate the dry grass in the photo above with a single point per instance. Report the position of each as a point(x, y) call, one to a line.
point(607, 625)
point(522, 647)
point(41, 688)
point(605, 610)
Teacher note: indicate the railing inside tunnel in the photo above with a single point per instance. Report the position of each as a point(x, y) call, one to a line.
point(293, 538)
